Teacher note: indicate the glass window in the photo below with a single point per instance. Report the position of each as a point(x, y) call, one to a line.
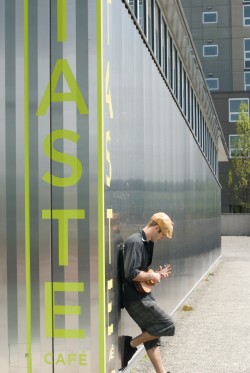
point(210, 50)
point(236, 146)
point(170, 60)
point(150, 29)
point(184, 86)
point(213, 84)
point(157, 32)
point(194, 115)
point(188, 100)
point(234, 108)
point(203, 134)
point(247, 81)
point(210, 17)
point(200, 128)
point(246, 15)
point(164, 47)
point(142, 14)
point(180, 81)
point(191, 107)
point(131, 3)
point(247, 53)
point(175, 71)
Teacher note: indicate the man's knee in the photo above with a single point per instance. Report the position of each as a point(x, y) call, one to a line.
point(151, 344)
point(169, 328)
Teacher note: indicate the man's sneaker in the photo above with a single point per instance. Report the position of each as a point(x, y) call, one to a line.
point(127, 351)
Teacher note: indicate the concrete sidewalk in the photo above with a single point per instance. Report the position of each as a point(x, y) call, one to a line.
point(213, 337)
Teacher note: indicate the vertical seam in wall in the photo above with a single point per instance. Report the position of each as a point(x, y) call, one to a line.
point(51, 187)
point(27, 185)
point(101, 256)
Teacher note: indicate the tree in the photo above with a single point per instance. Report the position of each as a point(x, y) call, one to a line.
point(239, 171)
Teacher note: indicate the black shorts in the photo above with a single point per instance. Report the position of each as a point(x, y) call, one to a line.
point(151, 318)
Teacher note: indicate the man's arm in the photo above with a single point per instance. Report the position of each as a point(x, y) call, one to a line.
point(146, 276)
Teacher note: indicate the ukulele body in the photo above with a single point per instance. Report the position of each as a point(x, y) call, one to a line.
point(145, 287)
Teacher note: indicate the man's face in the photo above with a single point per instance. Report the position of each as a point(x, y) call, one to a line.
point(157, 234)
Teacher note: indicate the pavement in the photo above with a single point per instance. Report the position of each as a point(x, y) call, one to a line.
point(213, 324)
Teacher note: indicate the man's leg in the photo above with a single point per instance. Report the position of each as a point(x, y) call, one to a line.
point(154, 353)
point(141, 338)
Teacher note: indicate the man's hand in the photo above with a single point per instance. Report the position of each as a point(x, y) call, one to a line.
point(155, 277)
point(166, 271)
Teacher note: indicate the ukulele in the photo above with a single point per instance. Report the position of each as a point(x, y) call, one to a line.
point(145, 287)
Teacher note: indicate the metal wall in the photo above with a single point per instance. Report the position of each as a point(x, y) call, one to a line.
point(91, 144)
point(44, 209)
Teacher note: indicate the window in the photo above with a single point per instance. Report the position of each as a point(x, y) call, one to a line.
point(164, 47)
point(213, 84)
point(194, 124)
point(210, 17)
point(234, 108)
point(247, 81)
point(138, 8)
point(157, 33)
point(236, 147)
point(150, 21)
point(246, 15)
point(191, 107)
point(210, 50)
point(188, 100)
point(132, 5)
point(180, 82)
point(184, 86)
point(142, 14)
point(175, 71)
point(170, 60)
point(203, 134)
point(247, 53)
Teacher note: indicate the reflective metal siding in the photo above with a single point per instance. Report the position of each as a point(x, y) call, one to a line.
point(29, 235)
point(156, 166)
point(3, 251)
point(151, 162)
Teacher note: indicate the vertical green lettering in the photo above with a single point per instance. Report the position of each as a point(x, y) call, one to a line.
point(51, 309)
point(60, 359)
point(71, 358)
point(61, 20)
point(62, 67)
point(59, 157)
point(49, 354)
point(26, 93)
point(108, 159)
point(63, 217)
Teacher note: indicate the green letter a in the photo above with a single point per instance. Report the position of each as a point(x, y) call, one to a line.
point(62, 67)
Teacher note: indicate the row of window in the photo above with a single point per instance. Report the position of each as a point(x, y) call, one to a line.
point(212, 17)
point(154, 27)
point(213, 83)
point(213, 51)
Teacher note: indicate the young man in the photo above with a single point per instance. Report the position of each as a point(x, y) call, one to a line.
point(153, 320)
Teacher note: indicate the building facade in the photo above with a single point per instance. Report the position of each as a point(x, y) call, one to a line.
point(105, 118)
point(221, 33)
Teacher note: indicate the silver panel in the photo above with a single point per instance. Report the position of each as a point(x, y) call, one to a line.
point(150, 161)
point(3, 240)
point(156, 166)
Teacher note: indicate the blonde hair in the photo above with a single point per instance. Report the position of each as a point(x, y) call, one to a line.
point(152, 223)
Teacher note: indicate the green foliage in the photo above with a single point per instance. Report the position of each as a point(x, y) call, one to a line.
point(239, 172)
